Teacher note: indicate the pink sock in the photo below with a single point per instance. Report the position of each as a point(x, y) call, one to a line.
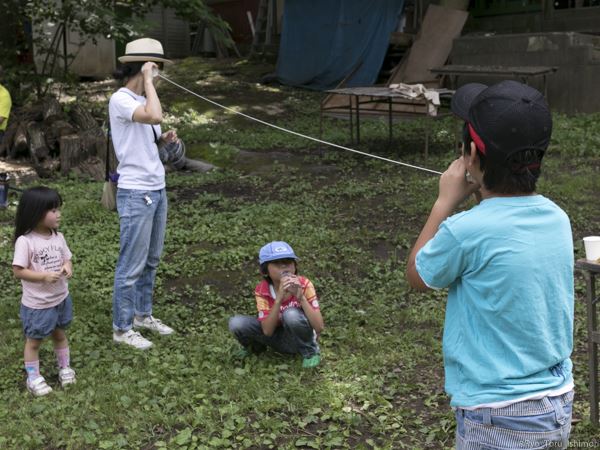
point(33, 369)
point(62, 356)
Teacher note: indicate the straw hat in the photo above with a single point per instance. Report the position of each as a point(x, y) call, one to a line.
point(142, 50)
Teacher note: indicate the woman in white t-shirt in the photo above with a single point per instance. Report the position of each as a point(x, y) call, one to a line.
point(135, 116)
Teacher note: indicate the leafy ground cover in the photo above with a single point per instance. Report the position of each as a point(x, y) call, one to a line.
point(352, 220)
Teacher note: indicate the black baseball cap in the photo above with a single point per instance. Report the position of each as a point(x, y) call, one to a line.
point(504, 118)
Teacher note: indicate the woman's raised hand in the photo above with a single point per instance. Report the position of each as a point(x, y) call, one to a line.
point(148, 70)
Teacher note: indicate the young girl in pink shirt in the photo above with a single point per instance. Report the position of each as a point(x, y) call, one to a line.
point(42, 262)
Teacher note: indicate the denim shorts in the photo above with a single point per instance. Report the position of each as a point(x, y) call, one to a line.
point(530, 424)
point(40, 323)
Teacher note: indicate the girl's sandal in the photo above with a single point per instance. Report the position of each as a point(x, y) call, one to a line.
point(66, 376)
point(38, 387)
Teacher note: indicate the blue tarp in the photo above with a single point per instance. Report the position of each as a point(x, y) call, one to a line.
point(323, 41)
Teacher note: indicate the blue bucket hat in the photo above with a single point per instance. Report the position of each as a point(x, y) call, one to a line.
point(276, 250)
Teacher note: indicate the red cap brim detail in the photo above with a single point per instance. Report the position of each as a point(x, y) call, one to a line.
point(478, 141)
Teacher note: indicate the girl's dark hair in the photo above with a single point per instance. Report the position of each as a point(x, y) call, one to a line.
point(130, 69)
point(33, 206)
point(518, 175)
point(264, 270)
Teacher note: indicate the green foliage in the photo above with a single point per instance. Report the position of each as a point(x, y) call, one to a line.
point(121, 20)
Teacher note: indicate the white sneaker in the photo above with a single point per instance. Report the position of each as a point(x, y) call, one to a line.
point(66, 375)
point(38, 387)
point(152, 323)
point(132, 338)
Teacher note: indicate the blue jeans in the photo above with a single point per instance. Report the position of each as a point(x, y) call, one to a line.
point(295, 335)
point(143, 220)
point(531, 424)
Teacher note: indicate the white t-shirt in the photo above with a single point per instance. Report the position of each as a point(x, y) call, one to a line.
point(139, 164)
point(41, 253)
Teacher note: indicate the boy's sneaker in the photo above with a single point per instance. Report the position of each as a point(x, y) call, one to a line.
point(313, 361)
point(152, 323)
point(132, 338)
point(240, 353)
point(66, 376)
point(38, 387)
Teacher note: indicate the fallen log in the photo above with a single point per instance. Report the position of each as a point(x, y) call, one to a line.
point(20, 146)
point(196, 165)
point(82, 118)
point(70, 152)
point(9, 136)
point(47, 168)
point(92, 167)
point(36, 142)
point(54, 130)
point(51, 109)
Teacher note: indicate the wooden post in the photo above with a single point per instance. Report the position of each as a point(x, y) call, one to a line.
point(590, 279)
point(269, 31)
point(590, 271)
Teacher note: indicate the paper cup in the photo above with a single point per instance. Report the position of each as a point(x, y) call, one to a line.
point(592, 248)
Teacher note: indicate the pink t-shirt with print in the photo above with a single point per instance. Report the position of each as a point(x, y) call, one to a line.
point(41, 253)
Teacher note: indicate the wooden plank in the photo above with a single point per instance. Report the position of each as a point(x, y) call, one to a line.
point(456, 69)
point(587, 265)
point(432, 45)
point(337, 104)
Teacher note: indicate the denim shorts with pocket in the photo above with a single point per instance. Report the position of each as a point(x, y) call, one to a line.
point(530, 424)
point(40, 323)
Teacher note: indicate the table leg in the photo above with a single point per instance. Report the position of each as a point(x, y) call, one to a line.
point(590, 280)
point(390, 120)
point(321, 122)
point(426, 141)
point(350, 117)
point(357, 119)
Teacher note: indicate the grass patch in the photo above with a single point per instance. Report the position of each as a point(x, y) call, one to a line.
point(350, 219)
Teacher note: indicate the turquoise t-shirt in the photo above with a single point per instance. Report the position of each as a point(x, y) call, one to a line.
point(508, 332)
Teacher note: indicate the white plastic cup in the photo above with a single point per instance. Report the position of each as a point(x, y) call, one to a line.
point(592, 248)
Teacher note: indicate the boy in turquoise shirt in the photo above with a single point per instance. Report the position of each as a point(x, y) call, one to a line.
point(508, 265)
